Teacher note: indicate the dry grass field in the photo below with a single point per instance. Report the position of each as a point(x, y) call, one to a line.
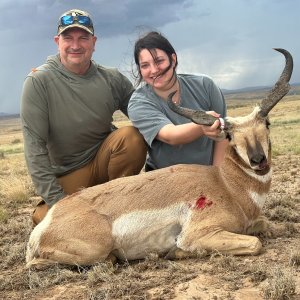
point(274, 274)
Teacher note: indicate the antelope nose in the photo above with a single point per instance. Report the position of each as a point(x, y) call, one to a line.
point(259, 160)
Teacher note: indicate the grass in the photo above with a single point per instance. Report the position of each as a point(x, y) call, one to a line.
point(13, 148)
point(280, 285)
point(295, 258)
point(3, 215)
point(52, 276)
point(283, 209)
point(111, 281)
point(223, 262)
point(16, 189)
point(258, 272)
point(11, 138)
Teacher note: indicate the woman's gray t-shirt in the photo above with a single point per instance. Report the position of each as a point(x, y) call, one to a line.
point(149, 113)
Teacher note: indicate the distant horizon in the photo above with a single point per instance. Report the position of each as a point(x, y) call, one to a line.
point(258, 87)
point(225, 92)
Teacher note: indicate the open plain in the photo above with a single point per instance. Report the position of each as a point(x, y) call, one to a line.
point(274, 274)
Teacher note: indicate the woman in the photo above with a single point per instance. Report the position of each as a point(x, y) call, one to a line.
point(173, 139)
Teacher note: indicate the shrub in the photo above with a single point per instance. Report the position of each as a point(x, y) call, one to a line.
point(16, 141)
point(280, 286)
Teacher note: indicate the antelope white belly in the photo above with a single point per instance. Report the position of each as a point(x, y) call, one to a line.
point(139, 233)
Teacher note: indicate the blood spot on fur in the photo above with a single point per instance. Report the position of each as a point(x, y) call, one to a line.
point(203, 202)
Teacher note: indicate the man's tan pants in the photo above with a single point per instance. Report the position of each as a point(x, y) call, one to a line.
point(123, 153)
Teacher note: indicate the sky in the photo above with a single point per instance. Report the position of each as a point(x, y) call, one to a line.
point(229, 40)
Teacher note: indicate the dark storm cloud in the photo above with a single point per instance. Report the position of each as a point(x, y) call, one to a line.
point(113, 17)
point(31, 24)
point(134, 14)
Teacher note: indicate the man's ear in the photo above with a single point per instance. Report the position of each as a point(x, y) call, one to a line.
point(94, 41)
point(56, 40)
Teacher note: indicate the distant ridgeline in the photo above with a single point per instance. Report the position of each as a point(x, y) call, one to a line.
point(295, 90)
point(254, 93)
point(248, 93)
point(9, 116)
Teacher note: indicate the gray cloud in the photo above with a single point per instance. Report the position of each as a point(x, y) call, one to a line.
point(229, 40)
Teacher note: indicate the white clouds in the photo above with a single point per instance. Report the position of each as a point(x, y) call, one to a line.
point(233, 71)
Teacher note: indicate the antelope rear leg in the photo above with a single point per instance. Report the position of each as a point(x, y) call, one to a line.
point(73, 243)
point(222, 241)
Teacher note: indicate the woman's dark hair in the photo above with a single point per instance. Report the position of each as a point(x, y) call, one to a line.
point(150, 41)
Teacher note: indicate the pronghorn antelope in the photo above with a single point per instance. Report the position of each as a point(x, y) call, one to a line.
point(175, 211)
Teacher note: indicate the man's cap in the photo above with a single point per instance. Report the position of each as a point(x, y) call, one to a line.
point(75, 18)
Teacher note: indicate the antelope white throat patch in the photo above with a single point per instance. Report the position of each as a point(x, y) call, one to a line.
point(258, 199)
point(261, 178)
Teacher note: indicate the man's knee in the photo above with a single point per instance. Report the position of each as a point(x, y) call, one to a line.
point(123, 153)
point(132, 134)
point(128, 153)
point(134, 141)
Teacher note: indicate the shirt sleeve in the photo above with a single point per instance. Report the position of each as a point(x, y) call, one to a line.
point(147, 116)
point(34, 116)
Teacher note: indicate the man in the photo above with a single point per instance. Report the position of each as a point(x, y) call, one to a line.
point(66, 110)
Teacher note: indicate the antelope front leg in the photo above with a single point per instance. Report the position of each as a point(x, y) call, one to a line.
point(222, 241)
point(177, 253)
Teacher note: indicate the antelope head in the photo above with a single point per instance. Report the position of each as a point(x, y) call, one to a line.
point(248, 135)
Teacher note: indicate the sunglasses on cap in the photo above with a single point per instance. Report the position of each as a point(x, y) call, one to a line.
point(69, 20)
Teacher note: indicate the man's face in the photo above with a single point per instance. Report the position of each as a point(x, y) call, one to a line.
point(76, 47)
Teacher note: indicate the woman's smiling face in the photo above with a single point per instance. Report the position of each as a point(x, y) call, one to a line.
point(153, 65)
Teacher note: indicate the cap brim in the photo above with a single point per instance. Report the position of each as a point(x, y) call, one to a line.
point(62, 29)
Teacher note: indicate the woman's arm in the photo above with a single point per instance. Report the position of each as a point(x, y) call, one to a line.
point(186, 133)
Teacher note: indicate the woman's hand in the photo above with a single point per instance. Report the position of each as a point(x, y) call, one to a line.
point(214, 131)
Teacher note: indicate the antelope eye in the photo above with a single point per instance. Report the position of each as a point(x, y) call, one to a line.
point(268, 123)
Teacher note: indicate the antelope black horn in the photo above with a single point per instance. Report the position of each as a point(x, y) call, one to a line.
point(197, 116)
point(281, 87)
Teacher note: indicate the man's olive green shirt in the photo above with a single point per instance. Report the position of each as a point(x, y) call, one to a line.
point(65, 119)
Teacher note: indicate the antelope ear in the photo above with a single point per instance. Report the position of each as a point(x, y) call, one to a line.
point(228, 136)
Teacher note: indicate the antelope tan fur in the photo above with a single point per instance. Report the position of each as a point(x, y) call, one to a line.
point(176, 211)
